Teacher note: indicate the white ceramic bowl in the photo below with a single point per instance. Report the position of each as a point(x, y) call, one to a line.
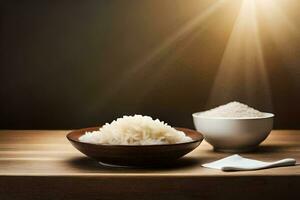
point(234, 134)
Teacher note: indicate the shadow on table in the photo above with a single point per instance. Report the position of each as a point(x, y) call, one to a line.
point(87, 164)
point(273, 148)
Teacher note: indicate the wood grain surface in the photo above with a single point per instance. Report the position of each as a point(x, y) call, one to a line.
point(43, 165)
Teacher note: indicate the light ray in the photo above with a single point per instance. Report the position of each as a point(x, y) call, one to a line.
point(157, 52)
point(158, 77)
point(283, 31)
point(242, 75)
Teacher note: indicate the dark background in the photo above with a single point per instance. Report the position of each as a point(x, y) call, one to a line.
point(71, 64)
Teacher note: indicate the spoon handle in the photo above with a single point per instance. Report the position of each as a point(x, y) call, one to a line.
point(279, 163)
point(283, 162)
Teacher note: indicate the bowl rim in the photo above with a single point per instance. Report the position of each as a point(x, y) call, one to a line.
point(267, 116)
point(68, 136)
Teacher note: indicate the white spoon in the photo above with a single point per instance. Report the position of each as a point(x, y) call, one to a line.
point(263, 165)
point(238, 163)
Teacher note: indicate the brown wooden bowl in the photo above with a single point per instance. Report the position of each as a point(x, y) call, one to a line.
point(135, 155)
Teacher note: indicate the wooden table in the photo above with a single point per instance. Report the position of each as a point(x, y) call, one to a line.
point(43, 165)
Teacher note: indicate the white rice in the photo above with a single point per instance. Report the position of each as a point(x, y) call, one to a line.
point(135, 130)
point(233, 110)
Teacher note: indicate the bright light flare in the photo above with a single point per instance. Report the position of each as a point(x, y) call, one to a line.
point(282, 30)
point(242, 72)
point(242, 75)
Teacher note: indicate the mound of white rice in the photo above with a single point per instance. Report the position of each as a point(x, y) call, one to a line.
point(135, 130)
point(233, 109)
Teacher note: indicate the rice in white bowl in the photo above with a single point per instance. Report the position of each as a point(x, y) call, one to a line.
point(135, 130)
point(233, 110)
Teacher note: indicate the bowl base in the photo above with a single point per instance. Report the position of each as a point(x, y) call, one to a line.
point(137, 166)
point(114, 165)
point(239, 150)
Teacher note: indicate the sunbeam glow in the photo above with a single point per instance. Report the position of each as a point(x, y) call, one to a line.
point(281, 29)
point(242, 73)
point(157, 52)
